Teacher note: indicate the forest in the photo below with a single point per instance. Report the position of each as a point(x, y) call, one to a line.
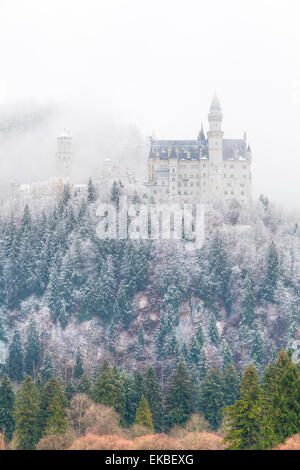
point(189, 345)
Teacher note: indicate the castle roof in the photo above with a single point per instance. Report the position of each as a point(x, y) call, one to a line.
point(181, 149)
point(190, 149)
point(234, 148)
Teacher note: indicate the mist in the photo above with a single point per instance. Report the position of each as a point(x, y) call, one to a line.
point(114, 71)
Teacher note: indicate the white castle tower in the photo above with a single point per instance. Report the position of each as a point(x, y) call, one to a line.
point(64, 155)
point(215, 149)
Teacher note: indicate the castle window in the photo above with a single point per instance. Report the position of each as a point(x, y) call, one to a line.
point(198, 184)
point(244, 166)
point(231, 166)
point(231, 176)
point(204, 165)
point(185, 193)
point(232, 193)
point(204, 175)
point(173, 170)
point(242, 193)
point(191, 184)
point(226, 192)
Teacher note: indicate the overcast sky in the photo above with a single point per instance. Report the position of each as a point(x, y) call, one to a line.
point(156, 64)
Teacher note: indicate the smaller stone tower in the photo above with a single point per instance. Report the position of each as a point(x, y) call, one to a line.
point(64, 155)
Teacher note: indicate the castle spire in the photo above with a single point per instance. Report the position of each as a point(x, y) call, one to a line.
point(215, 106)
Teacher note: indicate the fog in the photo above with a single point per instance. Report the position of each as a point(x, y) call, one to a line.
point(114, 71)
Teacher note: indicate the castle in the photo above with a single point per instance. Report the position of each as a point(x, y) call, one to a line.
point(201, 170)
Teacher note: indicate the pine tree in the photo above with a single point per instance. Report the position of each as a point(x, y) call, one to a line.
point(70, 391)
point(141, 336)
point(32, 350)
point(26, 416)
point(53, 404)
point(220, 270)
point(78, 370)
point(7, 400)
point(122, 308)
point(213, 330)
point(195, 350)
point(248, 307)
point(256, 346)
point(200, 336)
point(15, 358)
point(281, 401)
point(211, 400)
point(115, 194)
point(153, 395)
point(230, 385)
point(143, 414)
point(120, 405)
point(131, 401)
point(202, 365)
point(47, 370)
point(91, 192)
point(284, 412)
point(226, 353)
point(3, 327)
point(84, 385)
point(179, 397)
point(243, 418)
point(272, 273)
point(105, 389)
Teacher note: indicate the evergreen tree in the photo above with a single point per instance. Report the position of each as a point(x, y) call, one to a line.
point(46, 370)
point(248, 306)
point(200, 336)
point(257, 347)
point(195, 350)
point(211, 399)
point(141, 336)
point(115, 194)
point(3, 327)
point(15, 358)
point(78, 370)
point(153, 395)
point(243, 418)
point(84, 385)
point(226, 353)
point(202, 365)
point(213, 330)
point(7, 400)
point(179, 397)
point(120, 405)
point(280, 401)
point(220, 270)
point(230, 385)
point(105, 389)
point(53, 404)
point(122, 308)
point(26, 416)
point(143, 414)
point(70, 391)
point(91, 192)
point(32, 350)
point(272, 273)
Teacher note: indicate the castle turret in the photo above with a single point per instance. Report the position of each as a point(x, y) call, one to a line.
point(64, 155)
